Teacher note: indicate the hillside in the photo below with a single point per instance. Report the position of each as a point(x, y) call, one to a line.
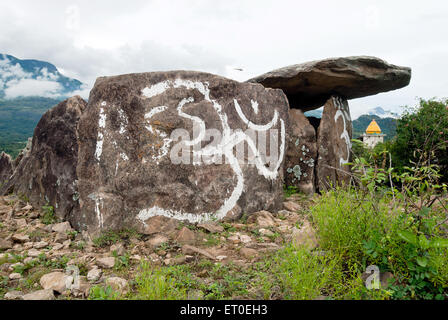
point(18, 118)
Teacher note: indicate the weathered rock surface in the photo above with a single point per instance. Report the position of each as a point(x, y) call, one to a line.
point(309, 85)
point(125, 169)
point(54, 281)
point(47, 173)
point(6, 168)
point(334, 142)
point(40, 295)
point(301, 153)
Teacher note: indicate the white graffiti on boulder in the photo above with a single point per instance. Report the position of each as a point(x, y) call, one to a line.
point(229, 140)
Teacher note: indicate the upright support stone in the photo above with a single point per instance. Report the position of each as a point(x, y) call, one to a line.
point(301, 154)
point(334, 144)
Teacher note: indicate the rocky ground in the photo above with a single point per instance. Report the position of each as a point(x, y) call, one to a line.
point(40, 257)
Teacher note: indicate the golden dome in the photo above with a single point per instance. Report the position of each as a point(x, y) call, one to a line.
point(373, 128)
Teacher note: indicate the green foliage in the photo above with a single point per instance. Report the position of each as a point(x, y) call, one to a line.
point(157, 284)
point(290, 190)
point(422, 134)
point(18, 118)
point(49, 216)
point(110, 237)
point(100, 293)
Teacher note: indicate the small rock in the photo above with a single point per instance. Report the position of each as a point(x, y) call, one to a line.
point(13, 295)
point(248, 253)
point(211, 227)
point(33, 253)
point(262, 218)
point(55, 281)
point(20, 223)
point(235, 239)
point(292, 206)
point(15, 276)
point(187, 249)
point(245, 238)
point(5, 244)
point(185, 236)
point(60, 237)
point(28, 207)
point(94, 275)
point(21, 238)
point(106, 263)
point(40, 295)
point(266, 232)
point(57, 246)
point(118, 284)
point(118, 249)
point(62, 227)
point(157, 240)
point(40, 245)
point(221, 258)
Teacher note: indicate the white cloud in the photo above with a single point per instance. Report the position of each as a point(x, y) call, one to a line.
point(32, 87)
point(88, 39)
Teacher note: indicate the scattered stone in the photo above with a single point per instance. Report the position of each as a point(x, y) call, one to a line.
point(5, 244)
point(211, 227)
point(245, 238)
point(40, 245)
point(118, 284)
point(190, 250)
point(34, 253)
point(292, 206)
point(40, 295)
point(20, 223)
point(94, 275)
point(305, 236)
point(55, 281)
point(185, 236)
point(262, 218)
point(14, 295)
point(28, 207)
point(62, 227)
point(118, 248)
point(248, 253)
point(266, 232)
point(157, 240)
point(21, 238)
point(235, 239)
point(221, 258)
point(106, 263)
point(15, 276)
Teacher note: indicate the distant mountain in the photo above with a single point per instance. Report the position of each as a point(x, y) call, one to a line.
point(380, 112)
point(317, 113)
point(388, 126)
point(25, 78)
point(28, 88)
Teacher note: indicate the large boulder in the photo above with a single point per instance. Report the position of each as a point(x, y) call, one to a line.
point(309, 85)
point(301, 153)
point(6, 168)
point(46, 174)
point(136, 128)
point(334, 144)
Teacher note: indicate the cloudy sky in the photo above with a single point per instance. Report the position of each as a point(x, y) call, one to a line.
point(86, 39)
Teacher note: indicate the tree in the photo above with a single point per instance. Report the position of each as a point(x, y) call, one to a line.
point(422, 136)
